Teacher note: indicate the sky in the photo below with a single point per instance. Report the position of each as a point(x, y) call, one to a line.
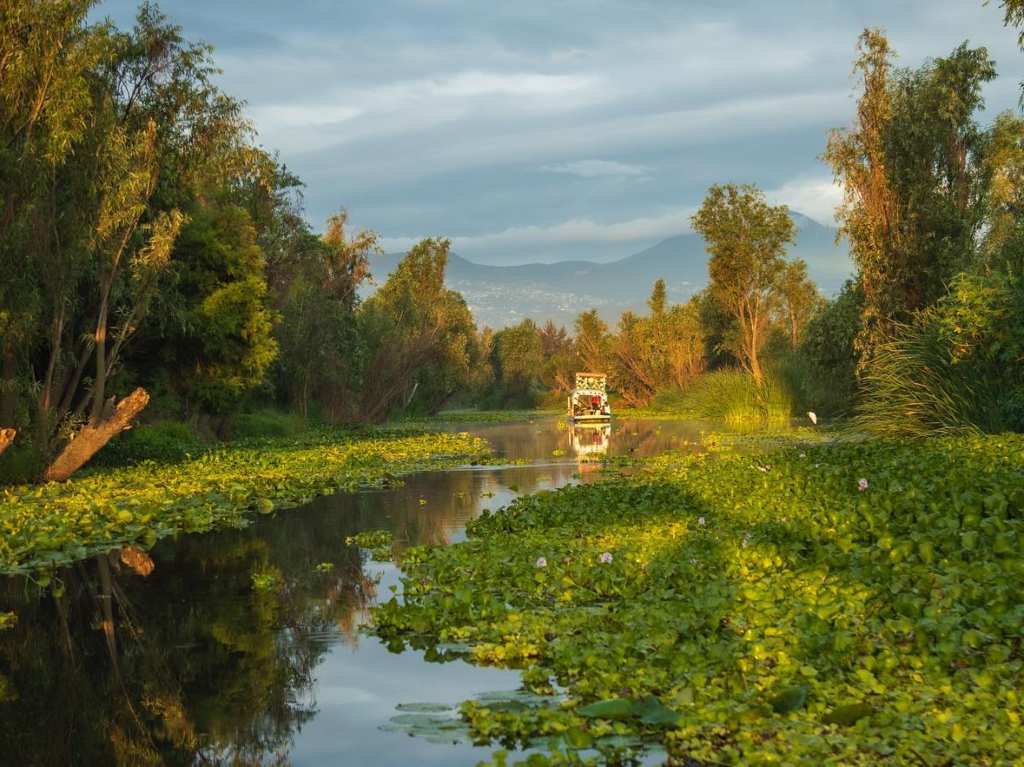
point(542, 131)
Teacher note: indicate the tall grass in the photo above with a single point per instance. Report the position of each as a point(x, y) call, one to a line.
point(958, 367)
point(913, 388)
point(733, 398)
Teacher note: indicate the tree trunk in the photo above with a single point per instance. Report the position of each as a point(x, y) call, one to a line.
point(6, 438)
point(91, 438)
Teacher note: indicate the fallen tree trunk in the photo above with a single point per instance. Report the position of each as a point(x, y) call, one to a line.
point(6, 438)
point(90, 439)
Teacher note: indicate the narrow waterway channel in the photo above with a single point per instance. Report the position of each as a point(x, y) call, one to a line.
point(194, 664)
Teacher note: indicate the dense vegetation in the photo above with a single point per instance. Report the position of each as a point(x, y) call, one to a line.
point(803, 606)
point(149, 245)
point(58, 523)
point(157, 264)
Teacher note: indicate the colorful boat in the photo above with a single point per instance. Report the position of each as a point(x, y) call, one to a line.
point(588, 401)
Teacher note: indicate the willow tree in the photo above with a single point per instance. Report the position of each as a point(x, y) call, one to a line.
point(746, 238)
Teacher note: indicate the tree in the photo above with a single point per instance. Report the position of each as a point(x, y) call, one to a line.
point(560, 360)
point(913, 178)
point(215, 325)
point(47, 53)
point(322, 352)
point(591, 336)
point(798, 299)
point(421, 337)
point(746, 238)
point(518, 358)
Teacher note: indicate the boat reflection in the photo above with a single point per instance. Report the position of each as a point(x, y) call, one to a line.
point(590, 441)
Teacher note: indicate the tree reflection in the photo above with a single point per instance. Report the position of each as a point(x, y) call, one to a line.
point(188, 666)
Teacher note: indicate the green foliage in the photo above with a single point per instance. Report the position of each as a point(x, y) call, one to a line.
point(518, 360)
point(959, 365)
point(267, 424)
point(63, 522)
point(378, 542)
point(746, 238)
point(828, 354)
point(215, 323)
point(733, 398)
point(915, 180)
point(421, 336)
point(163, 441)
point(21, 463)
point(844, 603)
point(323, 352)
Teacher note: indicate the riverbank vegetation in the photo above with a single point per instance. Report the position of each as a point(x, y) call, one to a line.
point(160, 267)
point(157, 264)
point(841, 603)
point(41, 527)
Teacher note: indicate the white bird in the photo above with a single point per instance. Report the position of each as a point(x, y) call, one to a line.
point(813, 416)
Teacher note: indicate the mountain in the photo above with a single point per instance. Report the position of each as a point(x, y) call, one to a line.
point(504, 295)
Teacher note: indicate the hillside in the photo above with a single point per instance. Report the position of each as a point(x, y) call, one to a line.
point(504, 295)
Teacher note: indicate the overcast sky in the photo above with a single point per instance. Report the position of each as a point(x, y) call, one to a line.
point(538, 131)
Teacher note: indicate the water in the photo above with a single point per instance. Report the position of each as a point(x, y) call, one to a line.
point(191, 665)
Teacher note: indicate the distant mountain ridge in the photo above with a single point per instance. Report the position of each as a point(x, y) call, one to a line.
point(504, 295)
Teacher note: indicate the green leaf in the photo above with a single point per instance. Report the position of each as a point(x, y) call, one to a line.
point(847, 714)
point(789, 699)
point(615, 708)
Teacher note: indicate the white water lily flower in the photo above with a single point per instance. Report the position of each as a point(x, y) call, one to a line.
point(813, 416)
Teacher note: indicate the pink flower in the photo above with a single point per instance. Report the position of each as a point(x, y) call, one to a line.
point(541, 562)
point(862, 484)
point(606, 558)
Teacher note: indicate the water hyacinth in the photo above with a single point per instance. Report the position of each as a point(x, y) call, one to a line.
point(845, 692)
point(541, 562)
point(700, 521)
point(862, 484)
point(605, 558)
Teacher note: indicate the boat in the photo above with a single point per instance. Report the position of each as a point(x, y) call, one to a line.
point(588, 401)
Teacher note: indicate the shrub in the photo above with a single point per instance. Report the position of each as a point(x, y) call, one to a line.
point(20, 464)
point(959, 366)
point(164, 441)
point(265, 424)
point(825, 368)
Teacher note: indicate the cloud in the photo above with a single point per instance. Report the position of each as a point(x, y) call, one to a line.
point(598, 169)
point(816, 197)
point(529, 127)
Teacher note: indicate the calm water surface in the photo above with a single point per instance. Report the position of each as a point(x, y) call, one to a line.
point(189, 665)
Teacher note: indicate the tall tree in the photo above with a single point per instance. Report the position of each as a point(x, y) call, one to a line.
point(746, 238)
point(913, 179)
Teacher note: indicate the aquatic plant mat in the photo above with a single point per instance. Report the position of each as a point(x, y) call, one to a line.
point(46, 525)
point(833, 604)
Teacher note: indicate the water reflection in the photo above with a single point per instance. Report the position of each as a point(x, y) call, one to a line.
point(179, 660)
point(590, 441)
